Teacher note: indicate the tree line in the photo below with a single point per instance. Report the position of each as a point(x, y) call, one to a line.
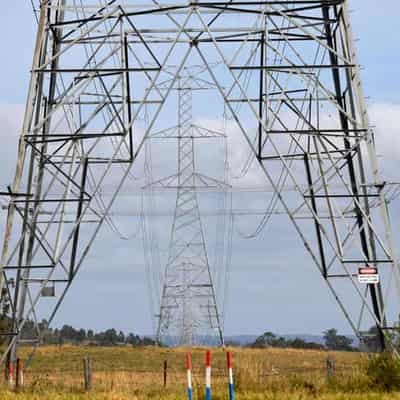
point(332, 341)
point(69, 334)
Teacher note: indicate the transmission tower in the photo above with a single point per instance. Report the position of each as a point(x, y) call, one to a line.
point(188, 303)
point(287, 74)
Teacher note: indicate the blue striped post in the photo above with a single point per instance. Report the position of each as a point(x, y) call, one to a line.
point(189, 376)
point(230, 376)
point(208, 375)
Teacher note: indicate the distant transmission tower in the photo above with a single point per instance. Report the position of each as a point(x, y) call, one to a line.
point(188, 302)
point(287, 76)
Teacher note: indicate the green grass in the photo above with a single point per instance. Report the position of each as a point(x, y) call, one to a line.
point(122, 373)
point(266, 395)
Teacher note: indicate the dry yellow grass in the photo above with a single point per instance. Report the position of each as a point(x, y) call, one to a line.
point(122, 373)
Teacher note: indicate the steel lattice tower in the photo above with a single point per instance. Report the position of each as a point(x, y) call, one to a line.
point(287, 74)
point(188, 303)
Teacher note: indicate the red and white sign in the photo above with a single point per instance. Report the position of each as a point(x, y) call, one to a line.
point(368, 275)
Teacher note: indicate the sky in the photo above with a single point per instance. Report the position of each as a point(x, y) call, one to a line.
point(277, 297)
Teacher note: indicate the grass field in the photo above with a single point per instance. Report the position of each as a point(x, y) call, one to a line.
point(122, 373)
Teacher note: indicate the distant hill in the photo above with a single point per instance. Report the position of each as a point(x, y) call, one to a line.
point(243, 340)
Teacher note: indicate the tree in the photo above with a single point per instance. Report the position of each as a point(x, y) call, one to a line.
point(5, 321)
point(268, 339)
point(333, 341)
point(132, 339)
point(81, 335)
point(121, 337)
point(371, 340)
point(298, 343)
point(108, 337)
point(146, 341)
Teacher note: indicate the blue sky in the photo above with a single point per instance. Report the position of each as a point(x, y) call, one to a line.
point(278, 297)
point(375, 30)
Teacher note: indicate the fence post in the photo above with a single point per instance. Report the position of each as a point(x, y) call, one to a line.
point(330, 367)
point(208, 375)
point(87, 373)
point(165, 372)
point(189, 376)
point(19, 378)
point(230, 376)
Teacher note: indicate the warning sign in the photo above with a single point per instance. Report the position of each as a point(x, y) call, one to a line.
point(368, 275)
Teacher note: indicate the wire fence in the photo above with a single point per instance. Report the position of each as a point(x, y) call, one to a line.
point(102, 374)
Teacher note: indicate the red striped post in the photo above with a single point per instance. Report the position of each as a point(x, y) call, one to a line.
point(11, 374)
point(208, 375)
point(230, 375)
point(189, 376)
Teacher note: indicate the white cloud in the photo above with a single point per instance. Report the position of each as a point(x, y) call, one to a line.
point(384, 117)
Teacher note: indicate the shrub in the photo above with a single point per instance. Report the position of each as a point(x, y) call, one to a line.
point(383, 371)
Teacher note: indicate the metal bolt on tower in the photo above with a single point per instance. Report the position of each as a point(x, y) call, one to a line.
point(287, 75)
